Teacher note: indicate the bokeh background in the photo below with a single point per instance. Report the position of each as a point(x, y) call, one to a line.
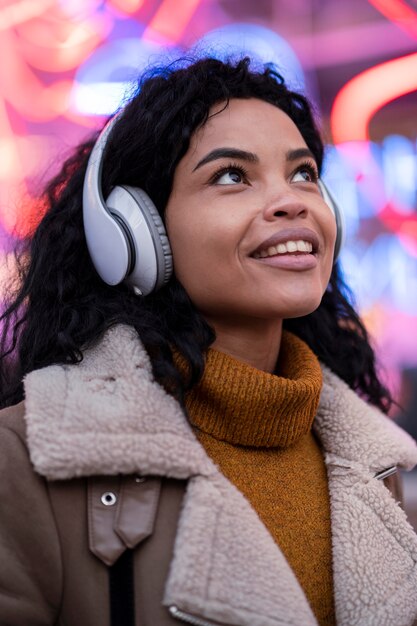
point(67, 64)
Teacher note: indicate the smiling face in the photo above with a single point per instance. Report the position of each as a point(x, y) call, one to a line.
point(251, 236)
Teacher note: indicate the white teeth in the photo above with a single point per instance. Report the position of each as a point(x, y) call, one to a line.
point(284, 248)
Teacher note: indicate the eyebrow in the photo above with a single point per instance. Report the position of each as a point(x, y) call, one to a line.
point(299, 153)
point(227, 153)
point(235, 153)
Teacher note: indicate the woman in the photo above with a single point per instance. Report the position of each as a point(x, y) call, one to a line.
point(176, 451)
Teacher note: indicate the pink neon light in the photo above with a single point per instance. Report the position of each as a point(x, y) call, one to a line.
point(52, 43)
point(364, 95)
point(171, 20)
point(15, 13)
point(127, 6)
point(399, 12)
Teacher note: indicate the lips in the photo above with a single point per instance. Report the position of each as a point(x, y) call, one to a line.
point(293, 235)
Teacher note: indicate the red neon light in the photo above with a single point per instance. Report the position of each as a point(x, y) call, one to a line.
point(364, 95)
point(404, 226)
point(399, 12)
point(171, 20)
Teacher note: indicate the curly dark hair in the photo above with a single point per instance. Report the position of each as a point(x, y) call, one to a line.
point(61, 306)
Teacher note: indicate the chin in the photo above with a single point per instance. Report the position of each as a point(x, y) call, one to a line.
point(302, 309)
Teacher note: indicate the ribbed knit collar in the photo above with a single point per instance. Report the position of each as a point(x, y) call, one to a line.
point(238, 403)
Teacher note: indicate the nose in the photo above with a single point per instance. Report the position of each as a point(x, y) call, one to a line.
point(284, 204)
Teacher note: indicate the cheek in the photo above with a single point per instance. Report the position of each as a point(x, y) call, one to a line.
point(201, 236)
point(206, 258)
point(195, 245)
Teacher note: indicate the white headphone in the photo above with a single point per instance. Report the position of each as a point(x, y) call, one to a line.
point(339, 217)
point(125, 235)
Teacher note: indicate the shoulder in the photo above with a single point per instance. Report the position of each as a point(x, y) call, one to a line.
point(30, 586)
point(12, 422)
point(14, 451)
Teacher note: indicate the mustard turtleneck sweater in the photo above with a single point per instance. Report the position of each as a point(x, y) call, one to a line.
point(257, 428)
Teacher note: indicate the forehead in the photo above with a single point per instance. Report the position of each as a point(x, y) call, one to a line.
point(249, 124)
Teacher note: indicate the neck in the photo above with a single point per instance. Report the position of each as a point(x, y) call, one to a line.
point(238, 403)
point(256, 343)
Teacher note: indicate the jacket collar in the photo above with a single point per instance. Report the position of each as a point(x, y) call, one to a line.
point(107, 415)
point(358, 435)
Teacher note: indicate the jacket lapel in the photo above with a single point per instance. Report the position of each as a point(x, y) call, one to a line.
point(226, 566)
point(374, 546)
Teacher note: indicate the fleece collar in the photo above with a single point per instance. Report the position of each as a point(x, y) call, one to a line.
point(107, 415)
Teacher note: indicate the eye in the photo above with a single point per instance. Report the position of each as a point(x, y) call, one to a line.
point(230, 175)
point(305, 173)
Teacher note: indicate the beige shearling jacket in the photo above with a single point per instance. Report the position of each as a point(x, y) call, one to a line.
point(100, 458)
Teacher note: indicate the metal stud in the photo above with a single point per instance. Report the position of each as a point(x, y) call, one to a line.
point(108, 498)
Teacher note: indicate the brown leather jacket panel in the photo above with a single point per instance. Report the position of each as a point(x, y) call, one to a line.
point(48, 574)
point(85, 592)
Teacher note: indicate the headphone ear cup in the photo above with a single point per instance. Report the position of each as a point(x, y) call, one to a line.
point(150, 253)
point(125, 235)
point(330, 200)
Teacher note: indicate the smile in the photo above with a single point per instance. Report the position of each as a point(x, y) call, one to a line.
point(288, 247)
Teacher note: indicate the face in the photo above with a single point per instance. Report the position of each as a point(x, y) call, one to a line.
point(251, 235)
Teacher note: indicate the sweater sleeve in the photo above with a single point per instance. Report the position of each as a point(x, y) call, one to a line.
point(30, 562)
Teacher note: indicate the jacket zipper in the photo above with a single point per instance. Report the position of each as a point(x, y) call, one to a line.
point(389, 471)
point(176, 613)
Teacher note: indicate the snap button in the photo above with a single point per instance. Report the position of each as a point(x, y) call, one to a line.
point(108, 498)
point(139, 479)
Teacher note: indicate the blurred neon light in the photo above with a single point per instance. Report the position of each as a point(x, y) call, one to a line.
point(98, 98)
point(78, 10)
point(405, 226)
point(54, 43)
point(22, 11)
point(377, 183)
point(171, 20)
point(400, 172)
point(395, 285)
point(408, 236)
point(105, 79)
point(127, 6)
point(364, 161)
point(12, 214)
point(348, 43)
point(399, 12)
point(261, 43)
point(364, 95)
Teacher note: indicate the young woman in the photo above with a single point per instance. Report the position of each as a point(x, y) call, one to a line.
point(206, 444)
